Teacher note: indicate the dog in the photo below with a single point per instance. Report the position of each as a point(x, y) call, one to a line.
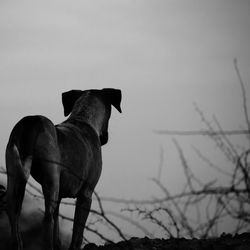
point(65, 159)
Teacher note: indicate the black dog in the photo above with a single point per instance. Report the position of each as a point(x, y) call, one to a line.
point(65, 159)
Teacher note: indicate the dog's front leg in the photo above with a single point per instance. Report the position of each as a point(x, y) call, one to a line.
point(82, 209)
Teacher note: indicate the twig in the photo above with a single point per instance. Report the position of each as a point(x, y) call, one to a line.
point(244, 98)
point(201, 132)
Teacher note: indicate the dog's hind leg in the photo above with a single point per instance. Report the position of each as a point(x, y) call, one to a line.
point(18, 174)
point(57, 242)
point(15, 196)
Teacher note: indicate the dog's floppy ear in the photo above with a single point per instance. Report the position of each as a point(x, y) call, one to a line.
point(114, 97)
point(68, 99)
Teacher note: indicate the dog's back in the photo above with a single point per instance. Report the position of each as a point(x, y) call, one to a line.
point(80, 152)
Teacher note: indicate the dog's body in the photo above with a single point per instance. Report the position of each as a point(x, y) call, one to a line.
point(65, 159)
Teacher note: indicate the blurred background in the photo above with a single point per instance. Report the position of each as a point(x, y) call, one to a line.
point(173, 61)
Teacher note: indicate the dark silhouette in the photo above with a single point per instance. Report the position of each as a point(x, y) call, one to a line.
point(65, 159)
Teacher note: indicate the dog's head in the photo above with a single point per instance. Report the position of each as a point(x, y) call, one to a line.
point(93, 106)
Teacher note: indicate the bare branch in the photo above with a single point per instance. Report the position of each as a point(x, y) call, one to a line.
point(244, 97)
point(201, 132)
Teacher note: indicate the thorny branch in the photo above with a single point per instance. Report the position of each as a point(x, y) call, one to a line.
point(244, 96)
point(200, 208)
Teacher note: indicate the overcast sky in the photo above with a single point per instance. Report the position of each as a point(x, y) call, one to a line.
point(165, 55)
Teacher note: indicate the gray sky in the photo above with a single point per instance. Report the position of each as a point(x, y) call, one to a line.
point(164, 55)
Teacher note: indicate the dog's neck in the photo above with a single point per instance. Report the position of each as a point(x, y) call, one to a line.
point(79, 122)
point(91, 113)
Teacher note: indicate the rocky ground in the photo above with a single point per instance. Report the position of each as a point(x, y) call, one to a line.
point(32, 236)
point(225, 242)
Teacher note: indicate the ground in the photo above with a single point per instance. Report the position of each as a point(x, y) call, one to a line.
point(225, 242)
point(32, 236)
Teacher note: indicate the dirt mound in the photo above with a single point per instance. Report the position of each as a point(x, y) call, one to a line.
point(225, 242)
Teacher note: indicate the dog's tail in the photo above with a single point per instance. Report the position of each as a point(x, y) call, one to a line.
point(17, 167)
point(23, 167)
point(18, 172)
